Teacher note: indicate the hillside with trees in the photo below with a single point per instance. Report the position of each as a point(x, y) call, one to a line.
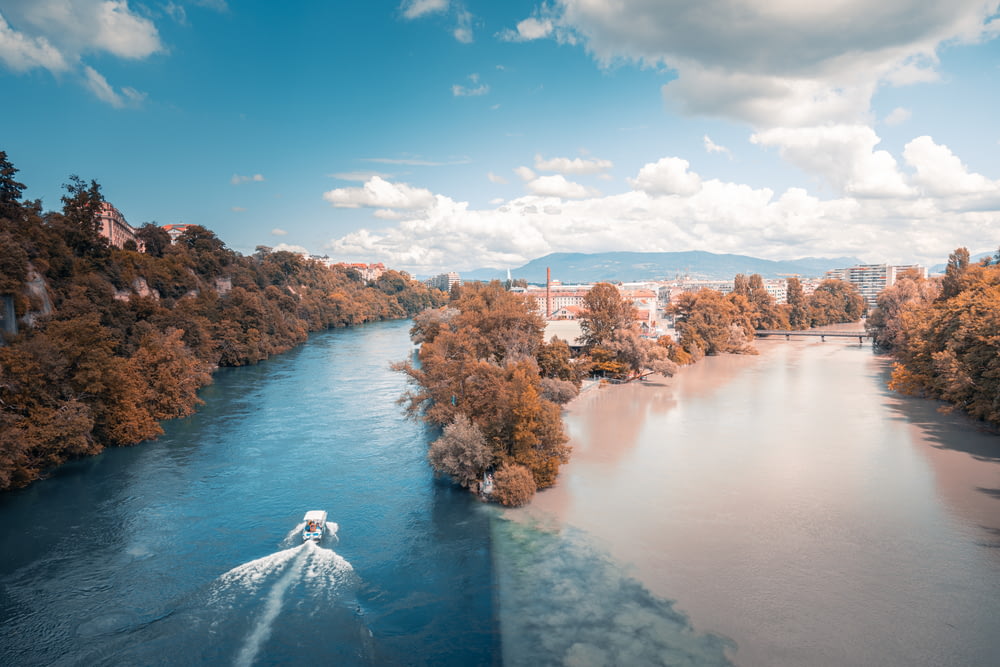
point(111, 341)
point(945, 335)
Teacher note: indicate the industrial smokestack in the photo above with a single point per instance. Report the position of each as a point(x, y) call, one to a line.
point(548, 292)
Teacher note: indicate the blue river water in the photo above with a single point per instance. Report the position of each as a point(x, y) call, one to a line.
point(184, 550)
point(683, 532)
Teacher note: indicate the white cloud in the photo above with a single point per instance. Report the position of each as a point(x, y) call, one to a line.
point(239, 179)
point(284, 247)
point(413, 9)
point(463, 27)
point(898, 116)
point(731, 57)
point(572, 166)
point(494, 178)
point(101, 89)
point(712, 147)
point(470, 91)
point(939, 172)
point(20, 52)
point(557, 186)
point(463, 91)
point(843, 156)
point(55, 35)
point(278, 232)
point(380, 193)
point(671, 208)
point(668, 176)
point(527, 30)
point(524, 173)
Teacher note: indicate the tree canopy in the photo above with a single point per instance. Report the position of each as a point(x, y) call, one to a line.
point(112, 341)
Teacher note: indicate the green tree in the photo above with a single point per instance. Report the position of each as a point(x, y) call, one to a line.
point(605, 312)
point(798, 304)
point(958, 265)
point(460, 452)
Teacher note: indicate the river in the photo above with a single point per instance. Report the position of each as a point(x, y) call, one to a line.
point(782, 509)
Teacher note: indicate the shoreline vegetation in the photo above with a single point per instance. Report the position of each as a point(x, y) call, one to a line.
point(104, 342)
point(487, 378)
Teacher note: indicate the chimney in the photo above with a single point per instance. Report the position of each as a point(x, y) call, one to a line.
point(548, 293)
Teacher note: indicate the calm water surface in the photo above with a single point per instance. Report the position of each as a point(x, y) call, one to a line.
point(784, 509)
point(793, 505)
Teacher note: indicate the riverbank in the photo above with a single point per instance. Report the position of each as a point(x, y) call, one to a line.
point(790, 502)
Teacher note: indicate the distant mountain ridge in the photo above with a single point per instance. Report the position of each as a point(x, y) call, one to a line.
point(575, 267)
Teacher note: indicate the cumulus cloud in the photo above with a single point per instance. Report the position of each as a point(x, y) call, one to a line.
point(527, 30)
point(564, 165)
point(557, 186)
point(278, 232)
point(731, 57)
point(938, 205)
point(239, 179)
point(668, 176)
point(55, 35)
point(380, 193)
point(843, 155)
point(495, 178)
point(940, 173)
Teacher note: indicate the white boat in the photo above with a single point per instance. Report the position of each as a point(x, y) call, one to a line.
point(315, 525)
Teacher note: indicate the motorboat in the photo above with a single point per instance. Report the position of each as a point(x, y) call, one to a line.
point(315, 525)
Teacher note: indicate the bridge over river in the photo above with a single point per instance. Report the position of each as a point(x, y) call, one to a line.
point(861, 335)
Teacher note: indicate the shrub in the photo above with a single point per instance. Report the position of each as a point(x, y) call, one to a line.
point(513, 485)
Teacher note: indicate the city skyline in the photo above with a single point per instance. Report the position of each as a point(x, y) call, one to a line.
point(436, 135)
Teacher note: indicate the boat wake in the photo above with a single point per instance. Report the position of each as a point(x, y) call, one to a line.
point(304, 579)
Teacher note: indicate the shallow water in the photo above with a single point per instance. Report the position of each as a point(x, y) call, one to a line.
point(793, 505)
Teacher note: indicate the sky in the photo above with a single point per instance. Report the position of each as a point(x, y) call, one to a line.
point(451, 135)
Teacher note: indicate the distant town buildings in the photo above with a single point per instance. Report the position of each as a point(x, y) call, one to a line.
point(366, 271)
point(871, 279)
point(444, 281)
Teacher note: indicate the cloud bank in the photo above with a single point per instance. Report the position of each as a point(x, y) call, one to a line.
point(882, 210)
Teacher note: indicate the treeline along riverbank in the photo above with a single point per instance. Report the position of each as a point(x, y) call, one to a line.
point(106, 342)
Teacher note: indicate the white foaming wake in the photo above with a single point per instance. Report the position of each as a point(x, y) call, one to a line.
point(322, 573)
point(272, 607)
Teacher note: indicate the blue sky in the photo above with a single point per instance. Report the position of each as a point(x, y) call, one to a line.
point(441, 135)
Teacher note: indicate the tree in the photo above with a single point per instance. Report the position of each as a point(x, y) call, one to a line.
point(958, 265)
point(460, 452)
point(513, 485)
point(81, 210)
point(836, 301)
point(10, 190)
point(798, 305)
point(605, 312)
point(155, 238)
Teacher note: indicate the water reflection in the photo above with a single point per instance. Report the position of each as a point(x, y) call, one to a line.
point(787, 501)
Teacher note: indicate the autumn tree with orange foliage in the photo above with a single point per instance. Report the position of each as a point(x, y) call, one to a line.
point(478, 362)
point(946, 340)
point(111, 341)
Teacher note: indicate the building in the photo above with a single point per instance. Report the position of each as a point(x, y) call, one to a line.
point(175, 230)
point(871, 279)
point(366, 271)
point(114, 227)
point(445, 281)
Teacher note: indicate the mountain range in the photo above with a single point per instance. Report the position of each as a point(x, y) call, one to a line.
point(640, 266)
